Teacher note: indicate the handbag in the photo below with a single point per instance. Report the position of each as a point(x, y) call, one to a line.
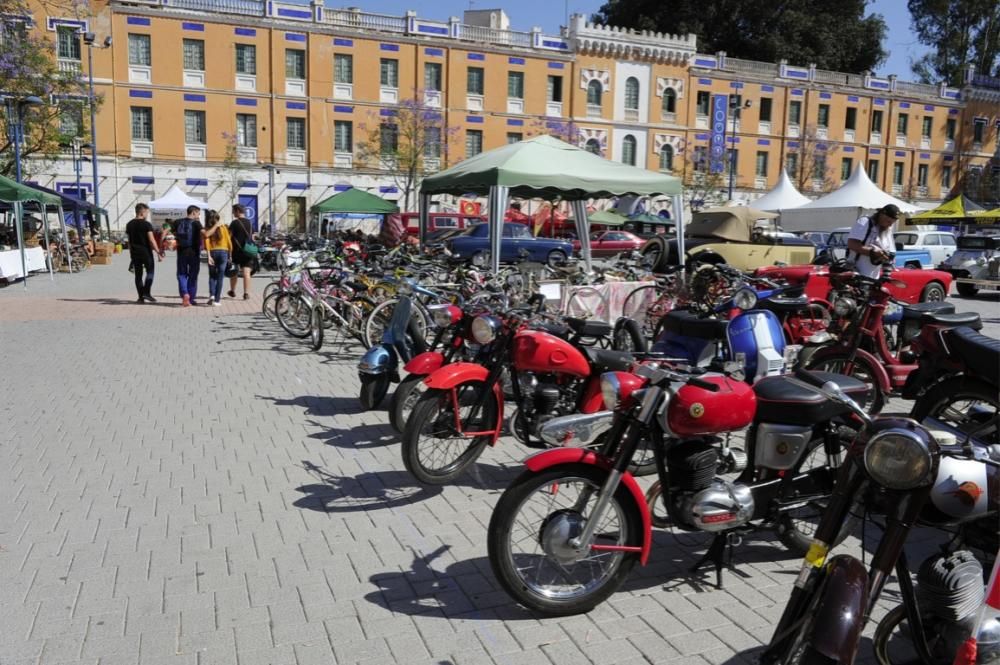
point(249, 247)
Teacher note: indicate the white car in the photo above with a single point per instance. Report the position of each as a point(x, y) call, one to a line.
point(939, 244)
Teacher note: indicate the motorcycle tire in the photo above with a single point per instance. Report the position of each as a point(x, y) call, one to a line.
point(937, 401)
point(373, 390)
point(404, 398)
point(861, 370)
point(501, 538)
point(628, 336)
point(434, 412)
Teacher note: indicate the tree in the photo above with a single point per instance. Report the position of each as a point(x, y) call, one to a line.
point(702, 188)
point(832, 34)
point(959, 33)
point(567, 131)
point(810, 169)
point(28, 68)
point(233, 169)
point(409, 141)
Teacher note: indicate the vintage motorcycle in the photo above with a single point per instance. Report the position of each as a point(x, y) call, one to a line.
point(566, 533)
point(379, 367)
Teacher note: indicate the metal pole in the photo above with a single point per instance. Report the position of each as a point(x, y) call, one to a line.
point(77, 156)
point(93, 143)
point(270, 196)
point(732, 150)
point(17, 138)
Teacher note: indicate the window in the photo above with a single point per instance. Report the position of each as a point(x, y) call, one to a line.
point(901, 123)
point(295, 63)
point(926, 127)
point(846, 166)
point(949, 129)
point(851, 119)
point(669, 101)
point(700, 158)
point(666, 158)
point(194, 127)
point(701, 104)
point(632, 93)
point(823, 115)
point(343, 68)
point(553, 89)
point(343, 136)
point(873, 170)
point(932, 239)
point(432, 76)
point(792, 164)
point(921, 175)
point(194, 55)
point(819, 167)
point(594, 146)
point(389, 73)
point(515, 137)
point(946, 177)
point(296, 133)
point(432, 142)
point(594, 91)
point(515, 85)
point(765, 109)
point(69, 42)
point(794, 112)
point(246, 59)
point(474, 81)
point(140, 52)
point(71, 121)
point(473, 142)
point(877, 121)
point(388, 137)
point(628, 150)
point(897, 173)
point(246, 130)
point(142, 123)
point(978, 129)
point(760, 168)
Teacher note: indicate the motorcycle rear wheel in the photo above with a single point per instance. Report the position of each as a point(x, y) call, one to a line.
point(968, 404)
point(900, 651)
point(860, 370)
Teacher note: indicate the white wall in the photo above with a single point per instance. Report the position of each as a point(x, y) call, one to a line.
point(617, 136)
point(642, 72)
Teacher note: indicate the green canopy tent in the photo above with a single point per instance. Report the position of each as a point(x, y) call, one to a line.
point(17, 194)
point(353, 202)
point(544, 167)
point(958, 209)
point(608, 218)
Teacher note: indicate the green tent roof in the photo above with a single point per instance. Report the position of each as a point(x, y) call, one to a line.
point(957, 208)
point(11, 191)
point(356, 201)
point(606, 217)
point(546, 167)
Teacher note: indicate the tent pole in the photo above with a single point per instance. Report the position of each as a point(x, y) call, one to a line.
point(19, 220)
point(48, 240)
point(424, 212)
point(579, 208)
point(69, 259)
point(679, 227)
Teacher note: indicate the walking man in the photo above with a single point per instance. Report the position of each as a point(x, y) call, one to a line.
point(187, 231)
point(142, 245)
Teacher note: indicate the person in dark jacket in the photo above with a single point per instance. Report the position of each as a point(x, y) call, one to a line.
point(141, 246)
point(187, 231)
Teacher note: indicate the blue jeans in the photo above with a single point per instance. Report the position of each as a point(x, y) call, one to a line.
point(188, 267)
point(217, 273)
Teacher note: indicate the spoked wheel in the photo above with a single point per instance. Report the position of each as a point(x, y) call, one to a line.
point(969, 405)
point(267, 306)
point(628, 336)
point(273, 287)
point(434, 450)
point(293, 314)
point(530, 540)
point(893, 642)
point(857, 368)
point(405, 397)
point(316, 328)
point(378, 319)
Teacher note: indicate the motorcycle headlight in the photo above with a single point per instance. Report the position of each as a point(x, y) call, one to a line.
point(899, 459)
point(745, 299)
point(843, 306)
point(610, 387)
point(442, 317)
point(484, 329)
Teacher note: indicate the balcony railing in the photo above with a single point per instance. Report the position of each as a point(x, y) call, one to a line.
point(69, 66)
point(919, 89)
point(751, 67)
point(242, 7)
point(478, 33)
point(345, 18)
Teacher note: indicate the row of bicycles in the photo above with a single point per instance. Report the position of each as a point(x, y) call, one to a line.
point(720, 403)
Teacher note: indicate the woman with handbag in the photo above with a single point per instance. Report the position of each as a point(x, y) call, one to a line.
point(244, 250)
point(218, 246)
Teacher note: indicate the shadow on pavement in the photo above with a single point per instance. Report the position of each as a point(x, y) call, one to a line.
point(320, 406)
point(123, 301)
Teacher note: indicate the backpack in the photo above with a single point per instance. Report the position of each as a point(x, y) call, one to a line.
point(184, 233)
point(868, 234)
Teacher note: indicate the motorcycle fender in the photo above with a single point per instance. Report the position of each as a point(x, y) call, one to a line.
point(378, 360)
point(455, 374)
point(425, 363)
point(876, 365)
point(840, 615)
point(549, 458)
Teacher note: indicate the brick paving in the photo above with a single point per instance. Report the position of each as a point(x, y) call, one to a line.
point(192, 486)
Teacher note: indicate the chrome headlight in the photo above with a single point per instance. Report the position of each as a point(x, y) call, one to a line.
point(442, 317)
point(899, 459)
point(609, 390)
point(844, 306)
point(745, 299)
point(485, 329)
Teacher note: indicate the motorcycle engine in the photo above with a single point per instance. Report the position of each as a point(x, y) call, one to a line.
point(699, 501)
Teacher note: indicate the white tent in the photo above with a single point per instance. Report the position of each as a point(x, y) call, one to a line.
point(782, 197)
point(175, 201)
point(842, 207)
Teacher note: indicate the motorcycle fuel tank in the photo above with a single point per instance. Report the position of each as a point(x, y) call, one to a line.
point(536, 351)
point(694, 411)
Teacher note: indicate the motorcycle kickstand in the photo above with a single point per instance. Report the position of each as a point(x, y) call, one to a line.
point(716, 554)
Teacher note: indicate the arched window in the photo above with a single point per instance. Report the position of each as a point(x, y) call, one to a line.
point(628, 150)
point(594, 90)
point(632, 93)
point(594, 146)
point(669, 101)
point(666, 158)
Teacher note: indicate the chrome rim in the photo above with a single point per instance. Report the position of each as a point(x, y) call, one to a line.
point(440, 449)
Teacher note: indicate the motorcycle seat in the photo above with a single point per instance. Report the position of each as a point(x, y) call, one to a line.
point(783, 304)
point(689, 324)
point(976, 350)
point(914, 312)
point(557, 329)
point(783, 399)
point(585, 328)
point(970, 319)
point(603, 360)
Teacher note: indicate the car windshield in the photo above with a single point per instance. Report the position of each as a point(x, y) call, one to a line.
point(838, 238)
point(906, 238)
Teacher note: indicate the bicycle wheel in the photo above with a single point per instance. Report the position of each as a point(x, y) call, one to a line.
point(316, 328)
point(586, 302)
point(378, 319)
point(273, 287)
point(294, 315)
point(267, 307)
point(636, 307)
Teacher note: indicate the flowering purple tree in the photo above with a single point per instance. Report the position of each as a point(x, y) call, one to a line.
point(567, 131)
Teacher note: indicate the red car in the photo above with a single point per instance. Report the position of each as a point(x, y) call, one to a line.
point(610, 243)
point(921, 285)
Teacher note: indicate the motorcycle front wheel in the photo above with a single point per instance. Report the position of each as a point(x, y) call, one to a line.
point(373, 390)
point(404, 398)
point(529, 535)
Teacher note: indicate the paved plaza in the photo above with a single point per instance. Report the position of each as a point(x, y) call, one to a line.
point(194, 487)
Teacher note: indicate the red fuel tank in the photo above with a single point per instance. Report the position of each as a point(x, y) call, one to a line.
point(537, 351)
point(695, 411)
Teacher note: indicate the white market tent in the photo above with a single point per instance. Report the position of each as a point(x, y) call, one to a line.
point(782, 197)
point(175, 201)
point(843, 206)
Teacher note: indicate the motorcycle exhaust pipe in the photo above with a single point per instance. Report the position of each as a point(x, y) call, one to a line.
point(577, 430)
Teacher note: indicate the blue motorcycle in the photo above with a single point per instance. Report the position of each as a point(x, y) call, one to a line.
point(380, 365)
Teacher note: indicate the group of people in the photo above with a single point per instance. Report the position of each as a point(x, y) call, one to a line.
point(230, 249)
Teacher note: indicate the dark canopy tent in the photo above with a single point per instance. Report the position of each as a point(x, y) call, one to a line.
point(353, 202)
point(17, 195)
point(77, 206)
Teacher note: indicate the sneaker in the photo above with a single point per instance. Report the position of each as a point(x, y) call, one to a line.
point(231, 294)
point(141, 299)
point(246, 296)
point(186, 302)
point(149, 298)
point(215, 303)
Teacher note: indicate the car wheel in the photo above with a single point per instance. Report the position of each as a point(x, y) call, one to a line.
point(967, 290)
point(556, 256)
point(933, 292)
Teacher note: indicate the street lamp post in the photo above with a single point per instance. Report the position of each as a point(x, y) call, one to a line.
point(270, 197)
point(15, 116)
point(89, 38)
point(734, 109)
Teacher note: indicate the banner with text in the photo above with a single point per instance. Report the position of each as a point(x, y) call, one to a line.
point(717, 139)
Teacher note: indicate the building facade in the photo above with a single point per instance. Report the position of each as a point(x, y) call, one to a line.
point(270, 102)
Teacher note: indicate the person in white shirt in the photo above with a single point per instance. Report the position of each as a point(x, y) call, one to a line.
point(870, 244)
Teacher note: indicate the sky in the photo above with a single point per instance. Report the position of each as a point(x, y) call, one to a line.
point(550, 14)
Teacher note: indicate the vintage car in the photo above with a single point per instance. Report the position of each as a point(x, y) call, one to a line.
point(939, 244)
point(920, 285)
point(975, 264)
point(905, 257)
point(517, 243)
point(610, 243)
